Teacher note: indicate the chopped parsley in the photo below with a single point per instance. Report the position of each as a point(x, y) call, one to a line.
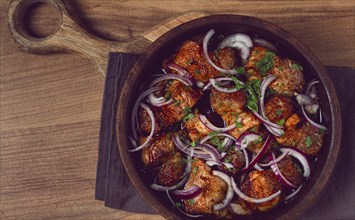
point(216, 141)
point(177, 103)
point(308, 141)
point(281, 68)
point(167, 95)
point(297, 67)
point(197, 71)
point(189, 61)
point(278, 112)
point(193, 144)
point(240, 70)
point(238, 84)
point(191, 201)
point(213, 133)
point(254, 128)
point(281, 122)
point(253, 88)
point(299, 170)
point(187, 109)
point(258, 140)
point(194, 170)
point(177, 204)
point(189, 116)
point(238, 124)
point(265, 64)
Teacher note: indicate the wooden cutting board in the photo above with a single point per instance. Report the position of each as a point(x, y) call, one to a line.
point(72, 38)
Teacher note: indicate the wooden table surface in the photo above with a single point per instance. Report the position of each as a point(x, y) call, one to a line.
point(51, 104)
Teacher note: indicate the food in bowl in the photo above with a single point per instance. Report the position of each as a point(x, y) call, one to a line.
point(229, 126)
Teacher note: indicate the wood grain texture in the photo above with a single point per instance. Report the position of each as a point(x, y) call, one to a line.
point(50, 105)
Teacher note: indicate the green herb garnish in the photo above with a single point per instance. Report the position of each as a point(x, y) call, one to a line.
point(177, 204)
point(254, 128)
point(197, 71)
point(296, 66)
point(213, 133)
point(191, 201)
point(238, 84)
point(187, 109)
point(278, 112)
point(188, 117)
point(258, 140)
point(281, 122)
point(195, 170)
point(308, 141)
point(177, 103)
point(266, 63)
point(190, 61)
point(253, 88)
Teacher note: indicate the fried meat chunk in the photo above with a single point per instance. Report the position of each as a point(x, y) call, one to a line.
point(244, 121)
point(158, 150)
point(190, 57)
point(213, 189)
point(223, 103)
point(145, 123)
point(171, 171)
point(278, 108)
point(290, 171)
point(236, 158)
point(196, 128)
point(260, 184)
point(184, 99)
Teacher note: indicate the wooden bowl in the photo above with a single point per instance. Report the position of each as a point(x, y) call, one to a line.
point(291, 47)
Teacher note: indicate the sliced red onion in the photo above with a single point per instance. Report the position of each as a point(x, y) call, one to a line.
point(207, 86)
point(246, 138)
point(184, 80)
point(301, 158)
point(244, 49)
point(237, 209)
point(152, 119)
point(310, 85)
point(246, 156)
point(209, 125)
point(311, 109)
point(206, 39)
point(275, 131)
point(265, 43)
point(265, 121)
point(261, 152)
point(181, 71)
point(282, 178)
point(189, 193)
point(206, 138)
point(228, 165)
point(215, 155)
point(293, 194)
point(263, 86)
point(158, 102)
point(303, 99)
point(271, 162)
point(239, 37)
point(200, 84)
point(257, 167)
point(250, 199)
point(180, 210)
point(320, 115)
point(313, 123)
point(211, 163)
point(230, 193)
point(198, 151)
point(222, 89)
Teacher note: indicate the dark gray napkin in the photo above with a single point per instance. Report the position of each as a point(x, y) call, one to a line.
point(115, 189)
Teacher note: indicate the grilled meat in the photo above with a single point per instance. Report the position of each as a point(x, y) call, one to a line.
point(278, 108)
point(289, 77)
point(145, 123)
point(171, 171)
point(223, 103)
point(184, 99)
point(236, 158)
point(244, 122)
point(196, 128)
point(190, 57)
point(290, 170)
point(158, 150)
point(213, 189)
point(307, 139)
point(260, 184)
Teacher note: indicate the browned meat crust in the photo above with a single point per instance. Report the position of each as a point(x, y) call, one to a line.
point(237, 159)
point(260, 184)
point(171, 171)
point(196, 129)
point(158, 150)
point(213, 189)
point(245, 121)
point(278, 108)
point(290, 171)
point(223, 103)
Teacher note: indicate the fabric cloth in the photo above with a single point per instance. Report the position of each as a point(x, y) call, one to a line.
point(115, 188)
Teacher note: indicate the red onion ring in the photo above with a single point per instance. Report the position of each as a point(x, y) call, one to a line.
point(206, 138)
point(277, 172)
point(209, 125)
point(134, 121)
point(230, 193)
point(180, 210)
point(303, 99)
point(293, 194)
point(246, 159)
point(206, 39)
point(261, 153)
point(158, 102)
point(263, 86)
point(271, 162)
point(168, 76)
point(301, 158)
point(257, 167)
point(207, 86)
point(181, 71)
point(265, 43)
point(310, 85)
point(247, 137)
point(198, 151)
point(313, 123)
point(237, 209)
point(239, 37)
point(152, 119)
point(222, 89)
point(250, 199)
point(189, 193)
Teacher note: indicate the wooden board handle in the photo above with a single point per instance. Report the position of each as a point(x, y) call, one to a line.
point(72, 38)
